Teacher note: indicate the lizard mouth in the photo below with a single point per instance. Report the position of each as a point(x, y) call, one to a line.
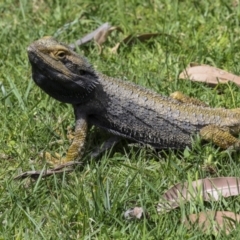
point(59, 91)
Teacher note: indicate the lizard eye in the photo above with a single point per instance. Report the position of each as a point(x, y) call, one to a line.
point(61, 54)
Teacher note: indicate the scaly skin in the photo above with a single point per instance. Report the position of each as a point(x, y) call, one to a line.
point(123, 108)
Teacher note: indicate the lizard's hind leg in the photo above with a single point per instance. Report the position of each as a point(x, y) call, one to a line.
point(220, 136)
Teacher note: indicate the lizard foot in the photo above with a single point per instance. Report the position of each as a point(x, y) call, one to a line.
point(52, 160)
point(57, 163)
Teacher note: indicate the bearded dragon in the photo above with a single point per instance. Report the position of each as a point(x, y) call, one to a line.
point(123, 108)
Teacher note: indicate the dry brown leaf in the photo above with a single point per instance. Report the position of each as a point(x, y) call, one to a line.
point(208, 74)
point(213, 221)
point(4, 156)
point(206, 189)
point(99, 35)
point(235, 3)
point(132, 39)
point(102, 35)
point(134, 213)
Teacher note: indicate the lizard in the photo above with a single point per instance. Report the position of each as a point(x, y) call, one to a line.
point(123, 108)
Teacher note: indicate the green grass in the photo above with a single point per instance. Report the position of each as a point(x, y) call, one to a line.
point(89, 203)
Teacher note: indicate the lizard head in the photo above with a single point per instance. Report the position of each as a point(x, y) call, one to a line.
point(60, 72)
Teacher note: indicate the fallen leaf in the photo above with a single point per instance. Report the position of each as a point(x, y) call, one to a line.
point(134, 213)
point(207, 189)
point(213, 221)
point(99, 35)
point(208, 74)
point(235, 3)
point(4, 156)
point(132, 39)
point(102, 35)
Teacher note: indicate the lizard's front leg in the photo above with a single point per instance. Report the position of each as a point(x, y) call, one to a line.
point(76, 149)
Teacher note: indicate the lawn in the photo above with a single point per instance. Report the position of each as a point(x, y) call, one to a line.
point(89, 203)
